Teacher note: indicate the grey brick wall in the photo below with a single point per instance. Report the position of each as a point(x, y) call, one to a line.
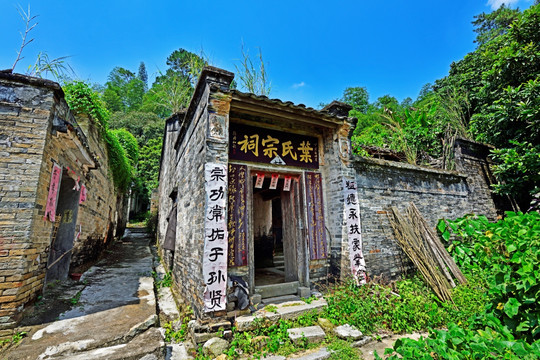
point(437, 194)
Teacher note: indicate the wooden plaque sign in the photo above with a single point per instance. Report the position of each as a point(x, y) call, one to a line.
point(267, 146)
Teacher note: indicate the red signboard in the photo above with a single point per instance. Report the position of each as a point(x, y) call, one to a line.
point(50, 207)
point(267, 146)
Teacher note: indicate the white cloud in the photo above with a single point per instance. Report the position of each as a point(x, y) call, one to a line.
point(495, 4)
point(299, 85)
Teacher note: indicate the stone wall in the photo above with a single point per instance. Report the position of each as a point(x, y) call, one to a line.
point(168, 191)
point(437, 194)
point(471, 158)
point(197, 138)
point(37, 129)
point(24, 122)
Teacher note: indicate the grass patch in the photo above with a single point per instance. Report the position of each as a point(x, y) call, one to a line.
point(374, 307)
point(371, 308)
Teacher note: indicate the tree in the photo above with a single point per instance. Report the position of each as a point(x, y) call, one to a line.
point(489, 26)
point(142, 125)
point(517, 169)
point(148, 168)
point(143, 75)
point(187, 64)
point(123, 90)
point(172, 89)
point(130, 145)
point(357, 97)
point(501, 82)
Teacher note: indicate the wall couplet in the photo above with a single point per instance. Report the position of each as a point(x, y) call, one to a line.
point(237, 215)
point(354, 230)
point(215, 241)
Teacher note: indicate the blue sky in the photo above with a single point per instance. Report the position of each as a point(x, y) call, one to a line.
point(313, 50)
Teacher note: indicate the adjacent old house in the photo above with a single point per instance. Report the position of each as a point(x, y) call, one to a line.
point(58, 204)
point(269, 191)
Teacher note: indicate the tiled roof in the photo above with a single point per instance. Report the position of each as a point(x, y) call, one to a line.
point(287, 104)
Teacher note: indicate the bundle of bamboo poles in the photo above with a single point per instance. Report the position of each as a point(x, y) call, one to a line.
point(426, 251)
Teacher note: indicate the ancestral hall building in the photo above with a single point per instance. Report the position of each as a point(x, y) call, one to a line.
point(269, 191)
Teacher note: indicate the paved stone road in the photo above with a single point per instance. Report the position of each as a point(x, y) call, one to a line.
point(115, 316)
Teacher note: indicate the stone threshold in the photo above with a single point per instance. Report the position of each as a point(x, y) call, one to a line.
point(287, 311)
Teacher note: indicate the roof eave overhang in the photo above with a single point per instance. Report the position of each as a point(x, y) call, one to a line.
point(257, 106)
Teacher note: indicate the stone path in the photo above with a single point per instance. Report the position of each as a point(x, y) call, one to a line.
point(114, 317)
point(112, 314)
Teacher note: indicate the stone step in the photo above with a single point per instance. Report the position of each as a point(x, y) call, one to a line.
point(318, 354)
point(276, 290)
point(313, 334)
point(148, 345)
point(280, 299)
point(287, 311)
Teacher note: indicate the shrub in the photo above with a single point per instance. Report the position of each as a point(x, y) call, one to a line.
point(83, 100)
point(507, 253)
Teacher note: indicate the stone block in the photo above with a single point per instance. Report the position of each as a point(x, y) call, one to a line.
point(256, 299)
point(276, 290)
point(244, 323)
point(319, 354)
point(304, 292)
point(363, 341)
point(215, 347)
point(313, 334)
point(348, 332)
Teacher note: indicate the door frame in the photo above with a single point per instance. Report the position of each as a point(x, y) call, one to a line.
point(301, 233)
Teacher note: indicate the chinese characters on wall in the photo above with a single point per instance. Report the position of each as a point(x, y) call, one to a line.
point(354, 231)
point(215, 242)
point(317, 235)
point(50, 208)
point(260, 145)
point(237, 215)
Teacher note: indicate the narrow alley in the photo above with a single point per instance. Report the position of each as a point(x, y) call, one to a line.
point(112, 313)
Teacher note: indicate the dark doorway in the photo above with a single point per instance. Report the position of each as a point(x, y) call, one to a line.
point(274, 234)
point(62, 244)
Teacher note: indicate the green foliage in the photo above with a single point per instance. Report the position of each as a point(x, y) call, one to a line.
point(143, 75)
point(177, 331)
point(172, 90)
point(118, 162)
point(492, 95)
point(489, 26)
point(411, 307)
point(518, 170)
point(129, 143)
point(148, 168)
point(491, 340)
point(123, 91)
point(252, 79)
point(166, 281)
point(495, 77)
point(143, 125)
point(507, 253)
point(357, 97)
point(342, 350)
point(83, 100)
point(75, 300)
point(14, 340)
